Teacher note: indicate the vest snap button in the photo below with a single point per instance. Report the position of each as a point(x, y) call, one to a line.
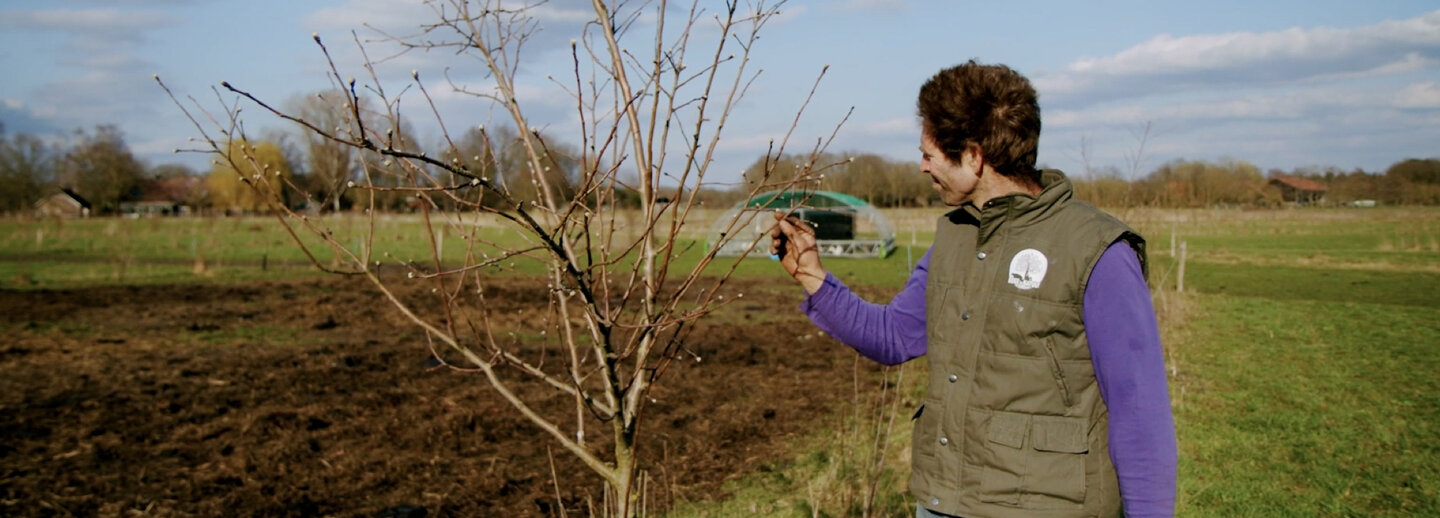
point(934, 501)
point(965, 316)
point(980, 256)
point(944, 441)
point(953, 378)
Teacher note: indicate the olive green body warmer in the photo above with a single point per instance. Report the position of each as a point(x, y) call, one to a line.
point(1013, 424)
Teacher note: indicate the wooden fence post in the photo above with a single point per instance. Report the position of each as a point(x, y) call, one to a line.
point(1180, 279)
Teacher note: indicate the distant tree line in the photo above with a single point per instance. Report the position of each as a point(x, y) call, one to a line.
point(1176, 184)
point(322, 174)
point(1203, 184)
point(98, 165)
point(95, 164)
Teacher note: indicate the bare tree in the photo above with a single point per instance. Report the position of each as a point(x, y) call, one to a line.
point(1135, 159)
point(101, 168)
point(330, 166)
point(650, 118)
point(27, 166)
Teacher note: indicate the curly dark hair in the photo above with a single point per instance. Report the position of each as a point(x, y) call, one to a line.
point(990, 106)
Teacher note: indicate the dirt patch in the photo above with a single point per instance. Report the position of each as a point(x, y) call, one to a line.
point(313, 398)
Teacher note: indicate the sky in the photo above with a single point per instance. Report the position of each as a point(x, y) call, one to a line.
point(1124, 85)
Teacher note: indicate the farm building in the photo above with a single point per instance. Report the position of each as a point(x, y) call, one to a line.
point(63, 204)
point(153, 208)
point(164, 197)
point(845, 226)
point(1302, 191)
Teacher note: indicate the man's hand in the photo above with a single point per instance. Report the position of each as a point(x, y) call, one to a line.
point(793, 240)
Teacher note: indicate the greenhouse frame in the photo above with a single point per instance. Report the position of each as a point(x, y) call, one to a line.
point(845, 226)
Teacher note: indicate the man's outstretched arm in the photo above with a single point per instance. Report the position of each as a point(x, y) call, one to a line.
point(888, 334)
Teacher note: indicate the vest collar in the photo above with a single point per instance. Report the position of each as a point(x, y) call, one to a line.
point(1019, 208)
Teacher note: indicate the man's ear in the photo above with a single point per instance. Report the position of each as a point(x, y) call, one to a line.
point(977, 154)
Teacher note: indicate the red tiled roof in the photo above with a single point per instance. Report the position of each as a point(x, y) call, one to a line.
point(174, 189)
point(1300, 184)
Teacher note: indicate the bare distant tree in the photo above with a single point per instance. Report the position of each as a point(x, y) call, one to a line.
point(101, 168)
point(27, 166)
point(648, 110)
point(330, 165)
point(1135, 158)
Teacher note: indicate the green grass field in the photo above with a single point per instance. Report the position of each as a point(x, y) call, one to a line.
point(1304, 350)
point(1305, 371)
point(1305, 374)
point(39, 254)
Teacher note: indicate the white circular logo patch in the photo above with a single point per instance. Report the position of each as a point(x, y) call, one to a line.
point(1027, 269)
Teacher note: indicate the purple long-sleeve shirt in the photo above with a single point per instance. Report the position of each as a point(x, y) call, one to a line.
point(1124, 348)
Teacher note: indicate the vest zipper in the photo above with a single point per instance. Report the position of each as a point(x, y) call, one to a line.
point(1057, 373)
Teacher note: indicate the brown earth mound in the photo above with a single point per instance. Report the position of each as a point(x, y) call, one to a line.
point(314, 398)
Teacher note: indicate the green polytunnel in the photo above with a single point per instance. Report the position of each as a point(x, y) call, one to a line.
point(845, 226)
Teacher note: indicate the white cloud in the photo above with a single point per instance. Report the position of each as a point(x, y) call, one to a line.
point(19, 118)
point(387, 15)
point(552, 22)
point(1256, 104)
point(1352, 125)
point(1349, 97)
point(1411, 62)
point(1419, 95)
point(100, 47)
point(1243, 59)
point(98, 38)
point(91, 23)
point(90, 97)
point(890, 127)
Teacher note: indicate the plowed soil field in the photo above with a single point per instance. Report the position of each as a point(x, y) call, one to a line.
point(316, 398)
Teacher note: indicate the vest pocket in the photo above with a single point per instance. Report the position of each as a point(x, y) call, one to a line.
point(1035, 462)
point(1060, 434)
point(1059, 459)
point(1002, 481)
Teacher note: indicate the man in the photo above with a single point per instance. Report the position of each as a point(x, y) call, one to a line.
point(1047, 391)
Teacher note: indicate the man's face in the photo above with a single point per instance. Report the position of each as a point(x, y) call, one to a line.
point(955, 182)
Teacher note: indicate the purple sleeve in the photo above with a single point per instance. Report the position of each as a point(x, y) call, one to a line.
point(889, 334)
point(1130, 368)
